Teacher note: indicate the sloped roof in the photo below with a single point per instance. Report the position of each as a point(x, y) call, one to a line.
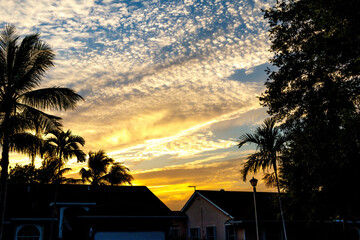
point(34, 200)
point(240, 205)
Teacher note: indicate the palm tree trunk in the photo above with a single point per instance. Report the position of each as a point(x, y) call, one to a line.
point(38, 134)
point(55, 199)
point(3, 180)
point(280, 204)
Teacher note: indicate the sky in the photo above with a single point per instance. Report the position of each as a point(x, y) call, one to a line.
point(169, 86)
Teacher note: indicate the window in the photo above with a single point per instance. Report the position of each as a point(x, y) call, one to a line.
point(28, 232)
point(230, 233)
point(194, 234)
point(211, 233)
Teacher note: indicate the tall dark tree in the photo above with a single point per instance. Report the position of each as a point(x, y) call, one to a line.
point(315, 90)
point(23, 64)
point(316, 49)
point(269, 142)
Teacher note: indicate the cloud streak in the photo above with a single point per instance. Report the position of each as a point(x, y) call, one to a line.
point(160, 79)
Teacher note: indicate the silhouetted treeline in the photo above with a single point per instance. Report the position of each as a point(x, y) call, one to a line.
point(314, 94)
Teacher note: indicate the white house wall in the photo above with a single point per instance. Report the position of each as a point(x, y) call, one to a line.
point(202, 214)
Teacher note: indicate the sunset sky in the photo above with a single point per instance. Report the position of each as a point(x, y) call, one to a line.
point(169, 86)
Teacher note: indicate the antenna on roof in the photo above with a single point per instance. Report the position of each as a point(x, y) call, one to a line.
point(193, 187)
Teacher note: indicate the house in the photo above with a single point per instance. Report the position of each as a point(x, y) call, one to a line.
point(86, 212)
point(230, 215)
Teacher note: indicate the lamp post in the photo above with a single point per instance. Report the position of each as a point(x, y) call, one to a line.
point(253, 183)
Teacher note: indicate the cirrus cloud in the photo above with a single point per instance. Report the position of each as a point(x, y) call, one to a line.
point(167, 84)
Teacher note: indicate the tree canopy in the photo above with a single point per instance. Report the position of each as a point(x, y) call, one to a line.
point(316, 49)
point(315, 92)
point(48, 173)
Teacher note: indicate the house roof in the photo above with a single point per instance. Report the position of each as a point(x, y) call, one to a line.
point(34, 200)
point(239, 205)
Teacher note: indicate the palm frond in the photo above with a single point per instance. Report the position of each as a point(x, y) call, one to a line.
point(80, 156)
point(269, 142)
point(41, 121)
point(85, 174)
point(48, 150)
point(8, 42)
point(270, 179)
point(75, 139)
point(52, 140)
point(8, 34)
point(16, 124)
point(54, 98)
point(23, 61)
point(70, 153)
point(25, 143)
point(40, 59)
point(252, 165)
point(248, 138)
point(119, 174)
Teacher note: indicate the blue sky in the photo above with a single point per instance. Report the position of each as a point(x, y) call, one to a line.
point(169, 86)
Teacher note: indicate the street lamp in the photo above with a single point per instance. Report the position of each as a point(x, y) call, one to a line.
point(253, 183)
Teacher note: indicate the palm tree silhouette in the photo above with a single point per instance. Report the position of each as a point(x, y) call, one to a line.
point(22, 67)
point(119, 174)
point(98, 164)
point(64, 145)
point(98, 174)
point(269, 142)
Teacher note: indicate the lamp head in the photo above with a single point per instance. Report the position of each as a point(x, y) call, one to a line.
point(253, 182)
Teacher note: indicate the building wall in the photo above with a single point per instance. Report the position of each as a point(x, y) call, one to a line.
point(202, 214)
point(240, 234)
point(179, 229)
